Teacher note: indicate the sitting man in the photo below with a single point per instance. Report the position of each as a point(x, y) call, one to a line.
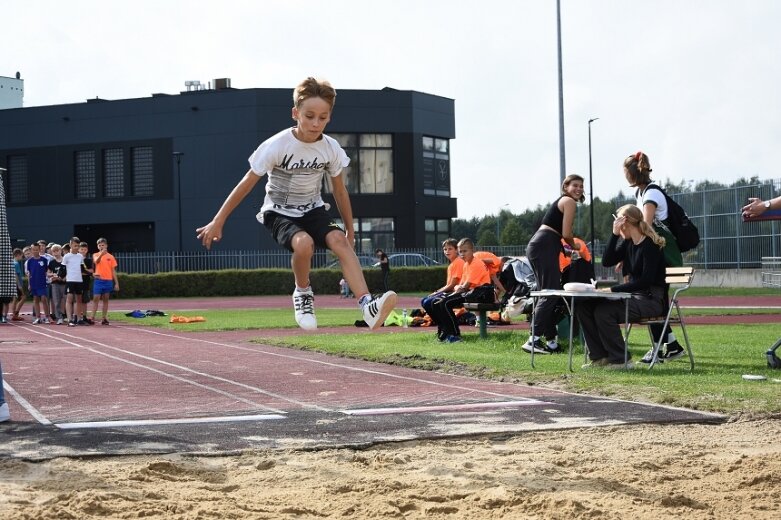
point(475, 274)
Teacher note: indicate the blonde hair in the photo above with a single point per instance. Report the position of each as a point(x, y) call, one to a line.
point(634, 216)
point(312, 88)
point(638, 167)
point(568, 180)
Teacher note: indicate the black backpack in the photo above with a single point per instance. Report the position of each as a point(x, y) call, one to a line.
point(685, 232)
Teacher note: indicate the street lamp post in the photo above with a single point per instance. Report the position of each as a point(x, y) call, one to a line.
point(178, 158)
point(562, 160)
point(591, 185)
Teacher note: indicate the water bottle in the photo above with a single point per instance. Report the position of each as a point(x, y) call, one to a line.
point(404, 318)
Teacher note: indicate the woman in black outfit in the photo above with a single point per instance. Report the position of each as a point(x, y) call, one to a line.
point(636, 244)
point(384, 265)
point(543, 253)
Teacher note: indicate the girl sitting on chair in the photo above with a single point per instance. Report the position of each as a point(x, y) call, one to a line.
point(636, 244)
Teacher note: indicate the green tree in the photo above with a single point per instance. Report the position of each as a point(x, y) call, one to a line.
point(487, 237)
point(465, 228)
point(512, 234)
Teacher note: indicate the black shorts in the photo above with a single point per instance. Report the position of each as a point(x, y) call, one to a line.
point(316, 223)
point(74, 287)
point(86, 292)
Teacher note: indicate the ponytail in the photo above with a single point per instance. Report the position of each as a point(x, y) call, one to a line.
point(638, 168)
point(651, 233)
point(634, 216)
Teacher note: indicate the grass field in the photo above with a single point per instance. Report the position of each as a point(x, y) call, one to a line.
point(723, 354)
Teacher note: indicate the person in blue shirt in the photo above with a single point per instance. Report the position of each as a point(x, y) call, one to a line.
point(36, 267)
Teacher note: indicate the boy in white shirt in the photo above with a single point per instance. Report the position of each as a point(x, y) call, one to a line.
point(295, 160)
point(74, 283)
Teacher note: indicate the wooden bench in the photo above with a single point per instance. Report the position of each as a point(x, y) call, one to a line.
point(482, 310)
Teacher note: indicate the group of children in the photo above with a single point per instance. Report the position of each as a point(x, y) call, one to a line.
point(467, 269)
point(60, 282)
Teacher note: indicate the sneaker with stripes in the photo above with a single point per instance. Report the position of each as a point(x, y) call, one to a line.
point(304, 305)
point(377, 309)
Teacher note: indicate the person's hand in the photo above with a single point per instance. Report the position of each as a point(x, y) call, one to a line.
point(618, 224)
point(754, 208)
point(350, 237)
point(211, 232)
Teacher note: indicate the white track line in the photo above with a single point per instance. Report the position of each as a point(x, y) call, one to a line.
point(328, 363)
point(166, 374)
point(26, 405)
point(158, 422)
point(442, 408)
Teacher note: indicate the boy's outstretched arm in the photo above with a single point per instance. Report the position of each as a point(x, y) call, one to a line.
point(212, 232)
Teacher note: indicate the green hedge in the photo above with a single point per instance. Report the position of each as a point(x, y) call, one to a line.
point(260, 282)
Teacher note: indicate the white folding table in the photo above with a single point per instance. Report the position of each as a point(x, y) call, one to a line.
point(569, 299)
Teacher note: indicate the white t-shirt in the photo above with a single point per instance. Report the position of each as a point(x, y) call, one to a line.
point(295, 171)
point(654, 196)
point(72, 263)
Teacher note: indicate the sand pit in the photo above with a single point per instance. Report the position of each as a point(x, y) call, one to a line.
point(730, 470)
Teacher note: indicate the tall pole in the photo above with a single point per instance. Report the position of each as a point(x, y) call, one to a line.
point(562, 161)
point(591, 186)
point(178, 157)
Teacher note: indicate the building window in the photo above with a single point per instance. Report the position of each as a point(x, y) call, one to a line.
point(85, 175)
point(17, 179)
point(437, 231)
point(373, 233)
point(141, 165)
point(436, 166)
point(371, 162)
point(113, 173)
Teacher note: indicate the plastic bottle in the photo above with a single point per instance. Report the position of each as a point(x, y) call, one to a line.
point(404, 318)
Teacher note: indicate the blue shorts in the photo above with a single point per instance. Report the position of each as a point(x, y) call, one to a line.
point(102, 287)
point(38, 291)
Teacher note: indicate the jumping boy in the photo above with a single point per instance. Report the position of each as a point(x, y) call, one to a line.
point(295, 160)
point(105, 279)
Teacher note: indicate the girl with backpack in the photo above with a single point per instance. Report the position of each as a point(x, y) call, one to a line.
point(653, 204)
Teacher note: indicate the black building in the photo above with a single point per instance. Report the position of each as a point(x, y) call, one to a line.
point(146, 172)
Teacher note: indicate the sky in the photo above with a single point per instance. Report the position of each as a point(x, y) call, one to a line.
point(692, 83)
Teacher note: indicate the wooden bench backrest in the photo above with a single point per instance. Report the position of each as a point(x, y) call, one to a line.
point(679, 275)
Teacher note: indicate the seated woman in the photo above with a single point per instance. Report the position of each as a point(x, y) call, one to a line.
point(641, 252)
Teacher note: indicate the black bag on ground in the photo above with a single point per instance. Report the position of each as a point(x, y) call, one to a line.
point(686, 233)
point(481, 294)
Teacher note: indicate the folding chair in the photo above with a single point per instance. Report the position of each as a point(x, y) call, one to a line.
point(681, 277)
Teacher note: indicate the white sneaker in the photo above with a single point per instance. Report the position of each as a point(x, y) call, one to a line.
point(36, 321)
point(304, 305)
point(59, 321)
point(377, 309)
point(5, 413)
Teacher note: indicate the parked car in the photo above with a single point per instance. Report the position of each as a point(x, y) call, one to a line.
point(364, 260)
point(409, 260)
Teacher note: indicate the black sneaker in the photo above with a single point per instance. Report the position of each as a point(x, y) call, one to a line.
point(674, 350)
point(538, 346)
